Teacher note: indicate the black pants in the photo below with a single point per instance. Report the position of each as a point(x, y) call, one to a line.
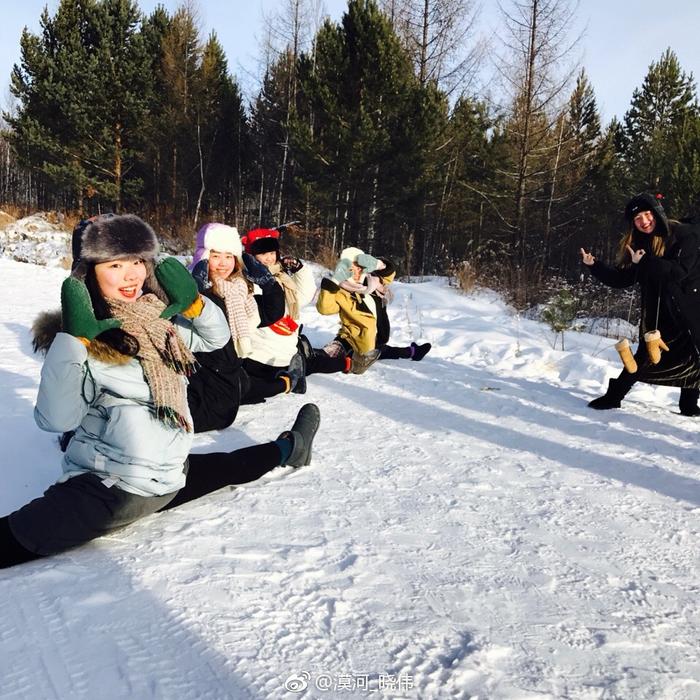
point(321, 363)
point(618, 388)
point(79, 510)
point(389, 352)
point(264, 382)
point(214, 396)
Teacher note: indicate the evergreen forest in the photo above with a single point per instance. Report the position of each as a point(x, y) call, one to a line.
point(377, 131)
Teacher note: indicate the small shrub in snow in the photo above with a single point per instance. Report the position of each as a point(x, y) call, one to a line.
point(560, 313)
point(465, 276)
point(326, 257)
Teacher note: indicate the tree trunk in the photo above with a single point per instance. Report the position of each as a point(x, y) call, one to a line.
point(118, 166)
point(173, 191)
point(202, 185)
point(548, 219)
point(523, 164)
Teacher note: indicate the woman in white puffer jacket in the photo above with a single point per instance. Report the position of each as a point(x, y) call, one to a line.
point(274, 346)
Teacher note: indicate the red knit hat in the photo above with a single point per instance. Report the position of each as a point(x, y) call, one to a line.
point(261, 240)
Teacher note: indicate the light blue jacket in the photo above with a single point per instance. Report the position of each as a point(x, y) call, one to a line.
point(116, 434)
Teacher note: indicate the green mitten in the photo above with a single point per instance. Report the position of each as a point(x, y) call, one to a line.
point(342, 271)
point(178, 284)
point(367, 261)
point(78, 315)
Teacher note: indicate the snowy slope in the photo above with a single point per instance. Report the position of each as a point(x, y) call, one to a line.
point(468, 528)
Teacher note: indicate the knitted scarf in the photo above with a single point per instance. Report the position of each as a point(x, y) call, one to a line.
point(370, 285)
point(163, 355)
point(240, 305)
point(290, 289)
point(382, 291)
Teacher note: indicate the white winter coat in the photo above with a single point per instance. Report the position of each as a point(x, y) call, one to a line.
point(271, 348)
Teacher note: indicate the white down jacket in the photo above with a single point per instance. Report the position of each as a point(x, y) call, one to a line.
point(116, 435)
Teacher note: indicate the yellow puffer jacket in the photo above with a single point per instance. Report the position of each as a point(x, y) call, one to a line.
point(358, 324)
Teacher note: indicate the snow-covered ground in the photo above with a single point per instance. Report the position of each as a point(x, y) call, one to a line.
point(468, 528)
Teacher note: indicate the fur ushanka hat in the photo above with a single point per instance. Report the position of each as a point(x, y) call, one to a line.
point(99, 239)
point(219, 237)
point(111, 237)
point(647, 202)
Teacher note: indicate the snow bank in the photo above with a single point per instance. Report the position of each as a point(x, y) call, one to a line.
point(41, 239)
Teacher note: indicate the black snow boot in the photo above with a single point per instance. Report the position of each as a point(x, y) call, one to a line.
point(296, 373)
point(11, 551)
point(304, 347)
point(302, 435)
point(617, 390)
point(418, 352)
point(688, 402)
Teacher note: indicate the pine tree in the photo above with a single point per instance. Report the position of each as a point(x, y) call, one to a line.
point(119, 97)
point(81, 87)
point(211, 85)
point(48, 128)
point(365, 145)
point(181, 56)
point(572, 198)
point(156, 127)
point(469, 202)
point(271, 125)
point(660, 133)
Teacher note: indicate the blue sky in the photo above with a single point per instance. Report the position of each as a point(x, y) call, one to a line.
point(621, 38)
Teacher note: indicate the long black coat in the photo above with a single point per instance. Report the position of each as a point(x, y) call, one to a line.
point(670, 284)
point(216, 389)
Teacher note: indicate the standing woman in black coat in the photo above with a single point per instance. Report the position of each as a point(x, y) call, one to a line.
point(661, 255)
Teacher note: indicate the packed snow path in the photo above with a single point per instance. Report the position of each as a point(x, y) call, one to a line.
point(467, 528)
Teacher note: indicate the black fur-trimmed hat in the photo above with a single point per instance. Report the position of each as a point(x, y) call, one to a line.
point(647, 202)
point(261, 240)
point(110, 237)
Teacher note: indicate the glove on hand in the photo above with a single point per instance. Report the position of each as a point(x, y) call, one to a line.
point(291, 264)
point(200, 272)
point(256, 272)
point(342, 271)
point(78, 315)
point(368, 262)
point(178, 284)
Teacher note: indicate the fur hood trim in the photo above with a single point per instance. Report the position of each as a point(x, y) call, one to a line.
point(48, 323)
